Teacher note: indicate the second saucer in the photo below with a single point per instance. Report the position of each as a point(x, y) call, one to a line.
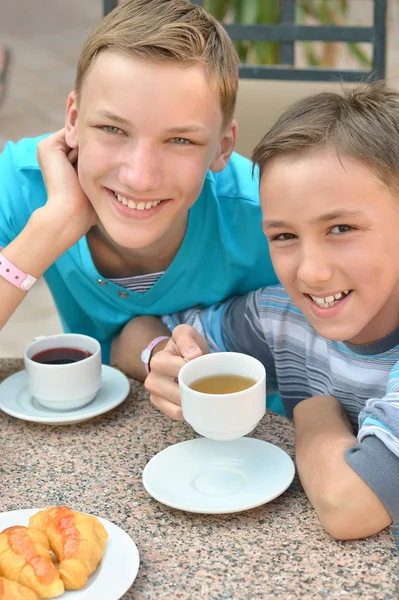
point(16, 401)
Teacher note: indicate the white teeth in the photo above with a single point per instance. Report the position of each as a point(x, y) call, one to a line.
point(139, 206)
point(319, 301)
point(329, 301)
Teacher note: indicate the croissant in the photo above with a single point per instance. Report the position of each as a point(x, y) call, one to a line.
point(25, 558)
point(10, 590)
point(78, 541)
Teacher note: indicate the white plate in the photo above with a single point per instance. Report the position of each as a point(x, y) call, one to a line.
point(206, 476)
point(117, 570)
point(15, 399)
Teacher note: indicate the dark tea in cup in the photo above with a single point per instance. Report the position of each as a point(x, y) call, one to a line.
point(63, 370)
point(60, 356)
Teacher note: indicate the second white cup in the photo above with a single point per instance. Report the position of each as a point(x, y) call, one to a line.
point(223, 416)
point(63, 386)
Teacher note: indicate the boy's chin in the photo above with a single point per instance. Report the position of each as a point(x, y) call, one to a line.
point(339, 333)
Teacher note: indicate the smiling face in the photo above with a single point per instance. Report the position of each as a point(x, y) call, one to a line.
point(333, 229)
point(147, 133)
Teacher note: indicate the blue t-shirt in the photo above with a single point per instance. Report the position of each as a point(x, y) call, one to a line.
point(224, 251)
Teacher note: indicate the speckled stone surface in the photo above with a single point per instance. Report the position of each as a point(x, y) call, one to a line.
point(276, 551)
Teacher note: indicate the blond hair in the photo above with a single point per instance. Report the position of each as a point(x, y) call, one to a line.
point(167, 30)
point(362, 123)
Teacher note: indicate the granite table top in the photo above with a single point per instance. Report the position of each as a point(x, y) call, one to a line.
point(276, 551)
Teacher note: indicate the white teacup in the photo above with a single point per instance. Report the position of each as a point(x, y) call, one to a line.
point(223, 416)
point(64, 386)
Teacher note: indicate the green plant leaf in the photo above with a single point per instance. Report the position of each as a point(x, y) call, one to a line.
point(218, 8)
point(269, 11)
point(249, 11)
point(359, 54)
point(311, 57)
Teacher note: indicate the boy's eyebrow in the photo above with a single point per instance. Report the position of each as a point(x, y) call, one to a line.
point(176, 130)
point(338, 214)
point(186, 129)
point(109, 115)
point(331, 216)
point(274, 224)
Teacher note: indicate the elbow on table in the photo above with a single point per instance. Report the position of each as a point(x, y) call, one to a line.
point(340, 529)
point(344, 523)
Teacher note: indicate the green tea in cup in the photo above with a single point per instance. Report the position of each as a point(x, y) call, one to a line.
point(222, 384)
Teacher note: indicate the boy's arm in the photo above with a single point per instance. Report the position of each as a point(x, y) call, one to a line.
point(136, 335)
point(140, 331)
point(232, 326)
point(226, 326)
point(347, 506)
point(51, 229)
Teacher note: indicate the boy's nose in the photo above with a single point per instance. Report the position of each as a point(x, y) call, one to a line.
point(314, 267)
point(141, 169)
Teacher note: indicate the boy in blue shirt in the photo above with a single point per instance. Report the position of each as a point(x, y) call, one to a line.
point(139, 205)
point(329, 334)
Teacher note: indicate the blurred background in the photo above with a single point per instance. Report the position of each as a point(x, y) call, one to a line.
point(45, 37)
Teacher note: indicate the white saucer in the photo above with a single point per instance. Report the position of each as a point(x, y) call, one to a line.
point(117, 570)
point(206, 476)
point(15, 399)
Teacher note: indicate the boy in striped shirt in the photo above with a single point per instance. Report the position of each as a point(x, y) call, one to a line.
point(329, 334)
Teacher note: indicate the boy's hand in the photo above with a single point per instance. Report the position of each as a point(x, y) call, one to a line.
point(67, 205)
point(184, 345)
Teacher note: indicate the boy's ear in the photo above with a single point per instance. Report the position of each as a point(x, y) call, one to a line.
point(71, 120)
point(226, 148)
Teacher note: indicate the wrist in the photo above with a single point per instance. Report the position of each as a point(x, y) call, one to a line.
point(158, 348)
point(14, 275)
point(156, 345)
point(35, 249)
point(55, 229)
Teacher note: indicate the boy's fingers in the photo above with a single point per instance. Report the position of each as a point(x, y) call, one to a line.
point(73, 155)
point(164, 387)
point(54, 140)
point(168, 408)
point(165, 364)
point(186, 340)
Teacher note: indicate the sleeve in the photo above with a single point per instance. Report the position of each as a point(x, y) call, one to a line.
point(376, 456)
point(11, 197)
point(232, 326)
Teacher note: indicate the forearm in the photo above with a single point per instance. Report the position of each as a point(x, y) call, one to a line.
point(33, 251)
point(347, 507)
point(128, 345)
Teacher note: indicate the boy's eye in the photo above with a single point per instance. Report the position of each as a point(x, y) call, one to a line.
point(281, 237)
point(111, 129)
point(180, 141)
point(339, 229)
